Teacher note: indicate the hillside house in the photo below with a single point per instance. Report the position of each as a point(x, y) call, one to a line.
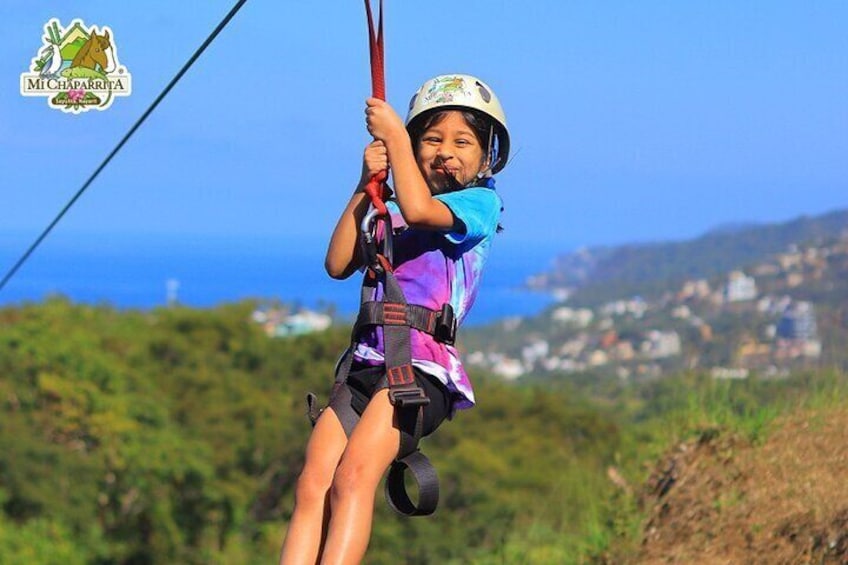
point(798, 322)
point(740, 287)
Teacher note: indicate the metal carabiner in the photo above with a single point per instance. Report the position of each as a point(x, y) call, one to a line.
point(368, 227)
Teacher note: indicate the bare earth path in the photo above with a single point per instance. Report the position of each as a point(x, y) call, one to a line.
point(721, 500)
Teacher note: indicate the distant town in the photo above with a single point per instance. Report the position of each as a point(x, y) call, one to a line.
point(759, 320)
point(284, 321)
point(785, 311)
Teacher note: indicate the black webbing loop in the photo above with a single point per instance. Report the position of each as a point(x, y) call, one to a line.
point(428, 485)
point(313, 412)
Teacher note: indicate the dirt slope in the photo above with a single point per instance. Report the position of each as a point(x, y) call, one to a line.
point(720, 499)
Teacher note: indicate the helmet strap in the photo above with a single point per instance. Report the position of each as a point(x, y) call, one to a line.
point(490, 149)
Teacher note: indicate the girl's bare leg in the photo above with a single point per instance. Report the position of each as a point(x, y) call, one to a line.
point(371, 448)
point(308, 525)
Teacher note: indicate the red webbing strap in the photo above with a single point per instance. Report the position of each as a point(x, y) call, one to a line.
point(376, 187)
point(375, 44)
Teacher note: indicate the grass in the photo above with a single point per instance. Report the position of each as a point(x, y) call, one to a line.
point(691, 406)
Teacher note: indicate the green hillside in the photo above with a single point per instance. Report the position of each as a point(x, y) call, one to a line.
point(70, 50)
point(607, 272)
point(176, 435)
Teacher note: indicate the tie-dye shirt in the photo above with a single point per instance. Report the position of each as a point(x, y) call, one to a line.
point(434, 267)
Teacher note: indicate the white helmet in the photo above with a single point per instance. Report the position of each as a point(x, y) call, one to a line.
point(458, 92)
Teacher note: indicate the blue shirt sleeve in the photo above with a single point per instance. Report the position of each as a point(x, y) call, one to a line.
point(478, 211)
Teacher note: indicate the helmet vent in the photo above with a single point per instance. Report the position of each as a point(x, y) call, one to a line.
point(484, 93)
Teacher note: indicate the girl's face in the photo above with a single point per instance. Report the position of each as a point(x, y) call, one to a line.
point(448, 153)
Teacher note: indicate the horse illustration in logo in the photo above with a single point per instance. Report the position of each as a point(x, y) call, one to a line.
point(93, 52)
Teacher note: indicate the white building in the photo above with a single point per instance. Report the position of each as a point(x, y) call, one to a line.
point(580, 317)
point(798, 322)
point(681, 312)
point(535, 351)
point(661, 344)
point(508, 368)
point(727, 373)
point(636, 307)
point(303, 322)
point(740, 287)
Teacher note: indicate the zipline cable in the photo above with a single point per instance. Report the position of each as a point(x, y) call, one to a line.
point(126, 137)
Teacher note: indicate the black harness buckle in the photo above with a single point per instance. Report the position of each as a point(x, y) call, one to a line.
point(408, 397)
point(446, 325)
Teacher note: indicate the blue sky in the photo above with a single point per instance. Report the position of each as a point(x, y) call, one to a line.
point(630, 121)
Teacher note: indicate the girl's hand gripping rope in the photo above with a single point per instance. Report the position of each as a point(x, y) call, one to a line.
point(375, 162)
point(382, 123)
point(375, 171)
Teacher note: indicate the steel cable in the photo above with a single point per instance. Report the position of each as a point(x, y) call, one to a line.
point(120, 144)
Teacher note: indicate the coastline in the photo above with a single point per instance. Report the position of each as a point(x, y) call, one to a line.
point(143, 272)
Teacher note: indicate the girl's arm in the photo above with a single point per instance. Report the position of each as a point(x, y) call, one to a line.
point(344, 254)
point(416, 203)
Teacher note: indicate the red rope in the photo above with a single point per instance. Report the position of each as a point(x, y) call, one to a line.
point(375, 48)
point(376, 187)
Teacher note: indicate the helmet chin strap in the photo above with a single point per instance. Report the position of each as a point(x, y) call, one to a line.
point(490, 149)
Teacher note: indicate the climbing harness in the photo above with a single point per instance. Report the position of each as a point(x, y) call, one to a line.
point(398, 319)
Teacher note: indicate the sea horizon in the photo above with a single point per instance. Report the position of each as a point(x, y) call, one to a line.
point(133, 271)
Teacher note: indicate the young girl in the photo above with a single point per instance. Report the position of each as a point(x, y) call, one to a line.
point(444, 215)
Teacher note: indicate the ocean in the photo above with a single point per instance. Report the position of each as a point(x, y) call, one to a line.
point(142, 271)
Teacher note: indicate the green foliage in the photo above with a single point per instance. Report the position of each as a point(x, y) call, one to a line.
point(155, 433)
point(42, 541)
point(176, 436)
